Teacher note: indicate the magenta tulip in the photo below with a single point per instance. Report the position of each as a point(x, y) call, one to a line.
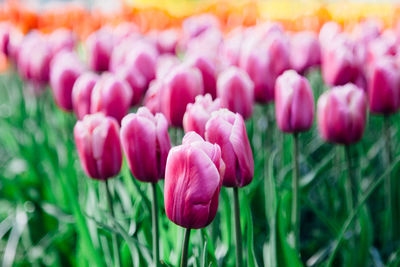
point(179, 88)
point(207, 68)
point(198, 113)
point(136, 81)
point(100, 45)
point(384, 87)
point(152, 97)
point(82, 93)
point(112, 96)
point(5, 29)
point(146, 144)
point(193, 177)
point(65, 69)
point(98, 145)
point(229, 131)
point(341, 114)
point(294, 103)
point(305, 51)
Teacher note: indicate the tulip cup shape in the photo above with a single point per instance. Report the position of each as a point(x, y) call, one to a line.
point(198, 113)
point(180, 87)
point(294, 103)
point(341, 114)
point(65, 69)
point(98, 145)
point(112, 96)
point(82, 93)
point(100, 45)
point(236, 91)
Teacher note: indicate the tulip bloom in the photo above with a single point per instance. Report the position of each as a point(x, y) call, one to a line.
point(62, 39)
point(5, 29)
point(193, 177)
point(99, 149)
point(146, 144)
point(100, 46)
point(179, 88)
point(342, 114)
point(294, 100)
point(82, 93)
point(305, 51)
point(112, 96)
point(207, 68)
point(136, 81)
point(236, 91)
point(152, 97)
point(384, 87)
point(65, 69)
point(328, 33)
point(198, 113)
point(229, 131)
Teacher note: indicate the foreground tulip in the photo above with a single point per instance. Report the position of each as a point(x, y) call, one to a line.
point(229, 131)
point(65, 69)
point(193, 178)
point(100, 46)
point(82, 93)
point(112, 96)
point(179, 88)
point(236, 91)
point(294, 110)
point(198, 113)
point(99, 149)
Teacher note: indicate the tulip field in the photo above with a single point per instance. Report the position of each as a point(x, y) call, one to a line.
point(149, 138)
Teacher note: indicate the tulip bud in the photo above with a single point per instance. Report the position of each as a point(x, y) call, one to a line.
point(65, 69)
point(384, 87)
point(193, 177)
point(305, 51)
point(236, 91)
point(98, 145)
point(198, 113)
point(82, 93)
point(294, 103)
point(207, 68)
point(100, 46)
point(179, 88)
point(341, 114)
point(112, 96)
point(146, 144)
point(229, 131)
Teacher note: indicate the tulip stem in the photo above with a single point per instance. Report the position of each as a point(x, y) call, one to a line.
point(295, 193)
point(350, 183)
point(113, 235)
point(238, 231)
point(184, 257)
point(154, 217)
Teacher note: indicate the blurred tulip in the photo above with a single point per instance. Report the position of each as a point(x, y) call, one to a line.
point(167, 41)
point(82, 93)
point(328, 33)
point(342, 114)
point(180, 88)
point(152, 97)
point(305, 51)
point(62, 39)
point(195, 25)
point(384, 87)
point(112, 96)
point(98, 145)
point(294, 103)
point(14, 44)
point(164, 65)
point(5, 29)
point(65, 69)
point(121, 50)
point(207, 68)
point(207, 43)
point(146, 144)
point(193, 178)
point(236, 91)
point(198, 113)
point(135, 80)
point(100, 46)
point(229, 131)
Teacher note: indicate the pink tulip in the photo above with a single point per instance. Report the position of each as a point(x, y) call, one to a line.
point(179, 88)
point(152, 97)
point(209, 43)
point(207, 68)
point(65, 69)
point(39, 62)
point(193, 177)
point(62, 39)
point(14, 44)
point(146, 144)
point(196, 25)
point(121, 50)
point(164, 65)
point(328, 33)
point(198, 113)
point(136, 81)
point(384, 86)
point(231, 47)
point(228, 131)
point(341, 114)
point(167, 41)
point(305, 51)
point(82, 93)
point(100, 45)
point(5, 29)
point(98, 145)
point(294, 103)
point(112, 96)
point(236, 91)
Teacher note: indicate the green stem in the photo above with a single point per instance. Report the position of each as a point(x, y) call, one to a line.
point(184, 257)
point(113, 235)
point(349, 186)
point(154, 217)
point(295, 194)
point(238, 232)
